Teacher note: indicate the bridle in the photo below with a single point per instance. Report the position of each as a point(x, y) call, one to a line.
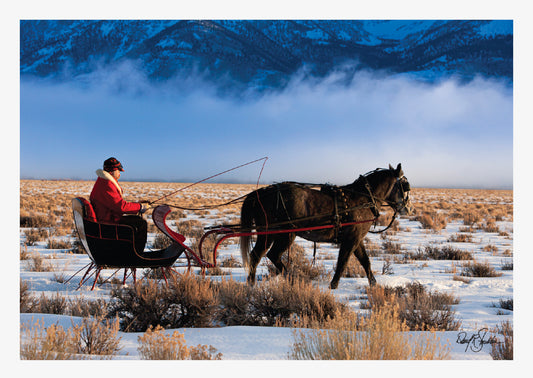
point(397, 206)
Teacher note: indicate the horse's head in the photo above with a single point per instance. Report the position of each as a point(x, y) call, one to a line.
point(398, 198)
point(388, 185)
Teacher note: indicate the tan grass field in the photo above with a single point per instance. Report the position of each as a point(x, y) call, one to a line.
point(456, 250)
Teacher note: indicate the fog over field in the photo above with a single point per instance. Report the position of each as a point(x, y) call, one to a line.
point(446, 134)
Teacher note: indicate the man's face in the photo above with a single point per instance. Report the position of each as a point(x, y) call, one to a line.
point(116, 174)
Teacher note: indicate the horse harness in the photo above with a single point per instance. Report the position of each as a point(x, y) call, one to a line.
point(341, 207)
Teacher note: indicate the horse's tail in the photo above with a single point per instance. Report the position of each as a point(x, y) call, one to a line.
point(247, 220)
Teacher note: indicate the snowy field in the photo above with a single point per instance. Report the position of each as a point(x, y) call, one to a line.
point(489, 239)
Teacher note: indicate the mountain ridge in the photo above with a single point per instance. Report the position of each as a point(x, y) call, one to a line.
point(265, 54)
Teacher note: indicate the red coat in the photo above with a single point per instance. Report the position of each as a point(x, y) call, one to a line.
point(107, 201)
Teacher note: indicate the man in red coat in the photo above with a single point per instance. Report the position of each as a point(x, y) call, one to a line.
point(110, 206)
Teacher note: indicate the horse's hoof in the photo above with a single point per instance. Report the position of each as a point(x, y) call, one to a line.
point(333, 285)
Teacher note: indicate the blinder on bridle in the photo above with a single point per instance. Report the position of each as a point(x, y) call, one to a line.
point(403, 206)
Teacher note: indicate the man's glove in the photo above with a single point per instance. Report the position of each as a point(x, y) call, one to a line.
point(145, 207)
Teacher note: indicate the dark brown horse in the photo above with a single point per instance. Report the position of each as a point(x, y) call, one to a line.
point(352, 209)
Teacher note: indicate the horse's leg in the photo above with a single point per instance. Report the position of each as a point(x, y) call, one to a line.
point(360, 253)
point(282, 243)
point(258, 252)
point(344, 254)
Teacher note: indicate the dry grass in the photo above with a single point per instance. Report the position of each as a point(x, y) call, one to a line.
point(504, 349)
point(391, 247)
point(382, 336)
point(188, 301)
point(447, 252)
point(461, 238)
point(39, 264)
point(278, 301)
point(432, 220)
point(418, 308)
point(354, 269)
point(299, 266)
point(155, 344)
point(93, 337)
point(61, 305)
point(191, 301)
point(479, 269)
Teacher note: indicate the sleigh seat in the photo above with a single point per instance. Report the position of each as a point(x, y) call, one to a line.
point(117, 245)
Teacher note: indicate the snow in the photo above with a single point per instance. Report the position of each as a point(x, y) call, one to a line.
point(494, 28)
point(478, 307)
point(243, 342)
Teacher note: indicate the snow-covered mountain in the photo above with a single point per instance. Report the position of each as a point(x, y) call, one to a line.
point(267, 53)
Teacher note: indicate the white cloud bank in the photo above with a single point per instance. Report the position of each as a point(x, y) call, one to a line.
point(445, 134)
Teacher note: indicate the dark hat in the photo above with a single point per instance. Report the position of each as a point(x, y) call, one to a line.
point(111, 164)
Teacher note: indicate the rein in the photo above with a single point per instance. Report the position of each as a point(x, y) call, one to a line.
point(336, 192)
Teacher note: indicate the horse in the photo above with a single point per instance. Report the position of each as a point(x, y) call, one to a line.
point(351, 209)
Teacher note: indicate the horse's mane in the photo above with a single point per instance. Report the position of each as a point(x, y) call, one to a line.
point(361, 181)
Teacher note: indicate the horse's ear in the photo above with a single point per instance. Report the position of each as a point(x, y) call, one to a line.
point(390, 167)
point(399, 171)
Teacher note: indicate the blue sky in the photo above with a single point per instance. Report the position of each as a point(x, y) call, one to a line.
point(445, 135)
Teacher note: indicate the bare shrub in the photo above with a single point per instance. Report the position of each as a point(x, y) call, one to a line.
point(216, 271)
point(231, 262)
point(35, 235)
point(188, 301)
point(506, 304)
point(191, 228)
point(461, 279)
point(40, 343)
point(204, 352)
point(176, 214)
point(479, 269)
point(35, 221)
point(461, 238)
point(391, 247)
point(154, 344)
point(418, 308)
point(236, 304)
point(490, 248)
point(38, 264)
point(372, 249)
point(299, 266)
point(490, 226)
point(504, 349)
point(87, 308)
point(432, 220)
point(55, 304)
point(26, 299)
point(279, 301)
point(92, 337)
point(354, 269)
point(387, 268)
point(446, 253)
point(96, 337)
point(382, 336)
point(77, 247)
point(58, 244)
point(471, 218)
point(161, 241)
point(24, 254)
point(507, 265)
